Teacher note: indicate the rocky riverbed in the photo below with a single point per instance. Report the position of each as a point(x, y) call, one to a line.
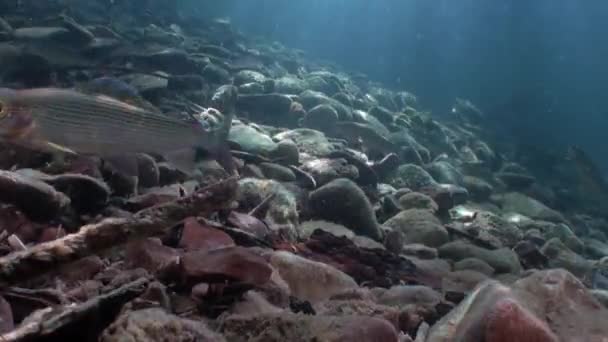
point(355, 215)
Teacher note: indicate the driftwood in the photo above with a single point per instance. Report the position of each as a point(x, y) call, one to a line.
point(110, 232)
point(45, 322)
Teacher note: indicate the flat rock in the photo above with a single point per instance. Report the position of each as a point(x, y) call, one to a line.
point(310, 280)
point(196, 236)
point(522, 204)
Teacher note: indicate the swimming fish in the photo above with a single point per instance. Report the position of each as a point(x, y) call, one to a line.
point(53, 119)
point(116, 89)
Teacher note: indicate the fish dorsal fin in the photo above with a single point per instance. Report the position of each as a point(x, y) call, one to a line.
point(60, 148)
point(126, 105)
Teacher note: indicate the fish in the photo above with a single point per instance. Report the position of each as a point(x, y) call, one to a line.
point(117, 89)
point(66, 121)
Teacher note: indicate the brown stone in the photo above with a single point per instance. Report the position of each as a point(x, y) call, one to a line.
point(150, 255)
point(200, 237)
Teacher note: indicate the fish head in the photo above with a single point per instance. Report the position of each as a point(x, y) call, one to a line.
point(16, 120)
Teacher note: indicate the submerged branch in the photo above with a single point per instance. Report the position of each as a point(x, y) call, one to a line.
point(48, 321)
point(110, 232)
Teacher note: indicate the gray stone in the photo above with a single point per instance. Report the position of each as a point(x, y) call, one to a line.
point(343, 202)
point(503, 260)
point(411, 176)
point(419, 226)
point(474, 264)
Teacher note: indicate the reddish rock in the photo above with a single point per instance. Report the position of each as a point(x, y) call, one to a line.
point(150, 254)
point(200, 237)
point(226, 264)
point(546, 306)
point(509, 321)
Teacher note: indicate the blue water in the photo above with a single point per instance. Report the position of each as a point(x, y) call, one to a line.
point(539, 68)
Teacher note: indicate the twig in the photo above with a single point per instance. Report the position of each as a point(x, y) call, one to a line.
point(241, 237)
point(41, 295)
point(260, 207)
point(44, 322)
point(111, 232)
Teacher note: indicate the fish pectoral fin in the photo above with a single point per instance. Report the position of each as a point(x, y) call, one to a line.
point(183, 159)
